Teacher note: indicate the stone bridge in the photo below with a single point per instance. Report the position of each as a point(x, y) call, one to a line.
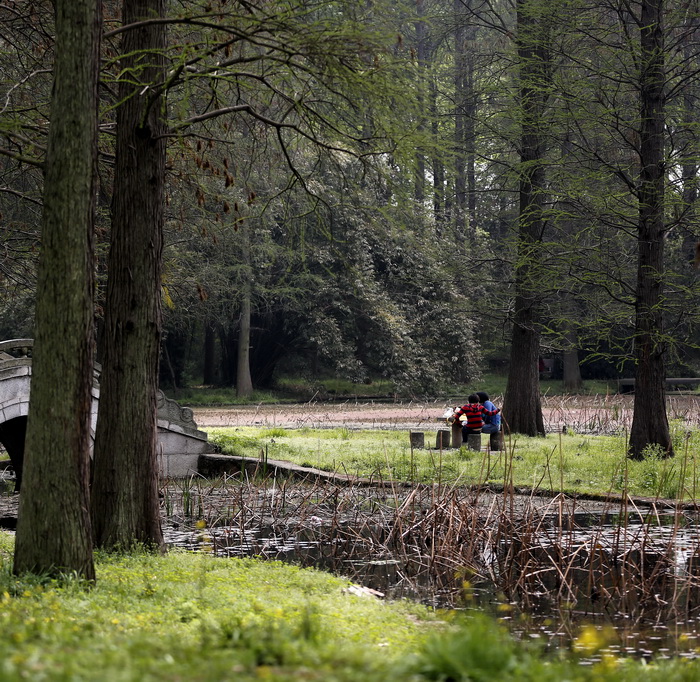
point(180, 442)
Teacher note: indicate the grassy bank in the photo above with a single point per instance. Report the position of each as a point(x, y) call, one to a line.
point(196, 617)
point(559, 462)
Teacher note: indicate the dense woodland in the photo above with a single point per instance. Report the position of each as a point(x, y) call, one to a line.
point(410, 189)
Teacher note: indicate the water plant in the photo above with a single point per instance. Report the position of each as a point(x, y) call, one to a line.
point(612, 560)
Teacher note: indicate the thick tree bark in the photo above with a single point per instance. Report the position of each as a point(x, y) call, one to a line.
point(649, 419)
point(125, 507)
point(53, 530)
point(522, 408)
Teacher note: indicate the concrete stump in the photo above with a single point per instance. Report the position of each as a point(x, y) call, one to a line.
point(417, 440)
point(474, 441)
point(442, 442)
point(456, 435)
point(496, 443)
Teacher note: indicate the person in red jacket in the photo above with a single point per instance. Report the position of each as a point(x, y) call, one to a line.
point(472, 415)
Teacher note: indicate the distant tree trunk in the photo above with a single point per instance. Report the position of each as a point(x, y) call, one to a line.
point(522, 409)
point(53, 529)
point(421, 53)
point(461, 94)
point(209, 373)
point(572, 370)
point(571, 367)
point(228, 357)
point(465, 123)
point(649, 419)
point(438, 166)
point(244, 383)
point(125, 507)
point(470, 113)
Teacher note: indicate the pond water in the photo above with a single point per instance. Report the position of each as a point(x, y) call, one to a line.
point(545, 568)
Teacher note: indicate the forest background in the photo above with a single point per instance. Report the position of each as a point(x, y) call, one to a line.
point(410, 190)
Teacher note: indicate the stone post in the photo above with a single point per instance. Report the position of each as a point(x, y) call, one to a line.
point(442, 441)
point(456, 434)
point(417, 439)
point(474, 441)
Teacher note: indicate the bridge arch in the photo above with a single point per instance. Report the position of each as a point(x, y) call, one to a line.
point(180, 442)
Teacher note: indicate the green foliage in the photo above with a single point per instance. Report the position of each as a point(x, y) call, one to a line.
point(657, 474)
point(478, 650)
point(276, 432)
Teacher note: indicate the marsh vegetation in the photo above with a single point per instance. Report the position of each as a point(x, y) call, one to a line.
point(551, 535)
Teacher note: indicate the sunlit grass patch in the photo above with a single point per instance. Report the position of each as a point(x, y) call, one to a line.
point(197, 617)
point(568, 462)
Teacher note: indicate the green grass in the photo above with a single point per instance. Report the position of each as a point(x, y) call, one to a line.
point(196, 617)
point(292, 389)
point(288, 389)
point(332, 387)
point(199, 618)
point(495, 384)
point(205, 396)
point(558, 462)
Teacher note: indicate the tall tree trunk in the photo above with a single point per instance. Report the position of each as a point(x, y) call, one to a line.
point(53, 530)
point(470, 113)
point(421, 53)
point(465, 123)
point(688, 139)
point(437, 163)
point(125, 506)
point(522, 408)
point(461, 94)
point(572, 369)
point(649, 419)
point(244, 383)
point(209, 370)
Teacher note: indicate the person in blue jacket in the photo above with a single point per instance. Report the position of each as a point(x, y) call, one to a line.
point(492, 424)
